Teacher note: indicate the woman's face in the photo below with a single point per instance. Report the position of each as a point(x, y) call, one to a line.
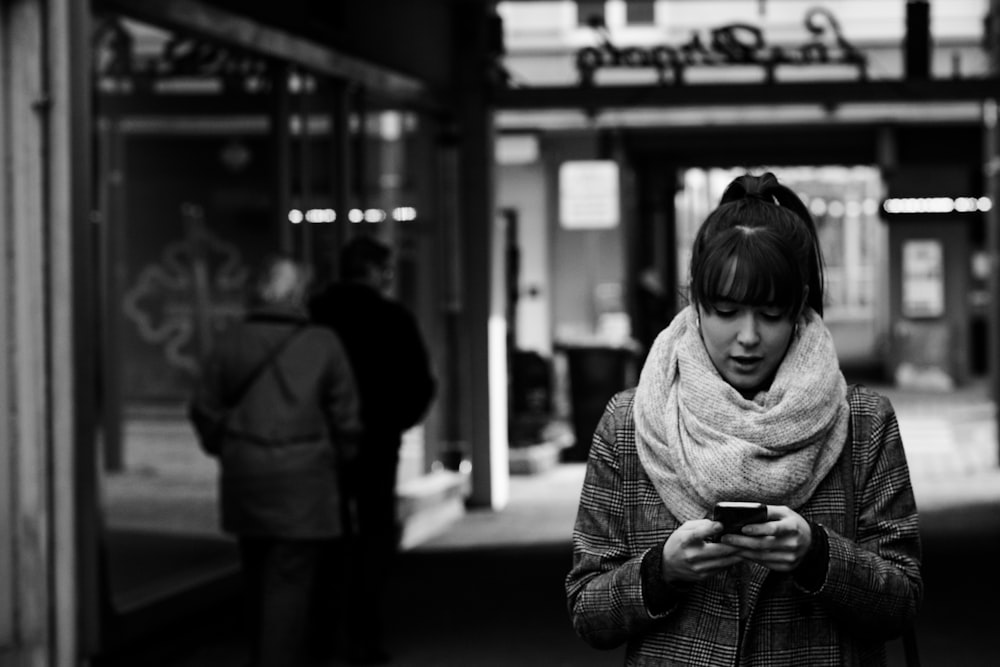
point(746, 343)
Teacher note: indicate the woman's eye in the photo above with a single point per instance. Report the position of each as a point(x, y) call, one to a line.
point(772, 315)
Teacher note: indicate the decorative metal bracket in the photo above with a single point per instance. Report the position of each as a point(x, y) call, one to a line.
point(119, 67)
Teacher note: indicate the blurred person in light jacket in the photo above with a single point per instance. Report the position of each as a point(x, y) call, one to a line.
point(286, 446)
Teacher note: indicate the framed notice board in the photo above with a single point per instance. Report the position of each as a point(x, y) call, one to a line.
point(923, 278)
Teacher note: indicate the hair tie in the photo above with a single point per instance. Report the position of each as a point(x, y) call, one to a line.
point(761, 196)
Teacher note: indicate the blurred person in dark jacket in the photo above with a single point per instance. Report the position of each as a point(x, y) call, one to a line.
point(396, 382)
point(286, 443)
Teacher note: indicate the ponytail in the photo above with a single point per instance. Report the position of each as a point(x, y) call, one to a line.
point(765, 188)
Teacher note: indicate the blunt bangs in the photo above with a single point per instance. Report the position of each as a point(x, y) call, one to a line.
point(753, 267)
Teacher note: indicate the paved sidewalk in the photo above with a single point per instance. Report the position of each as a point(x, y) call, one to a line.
point(951, 445)
point(489, 590)
point(501, 573)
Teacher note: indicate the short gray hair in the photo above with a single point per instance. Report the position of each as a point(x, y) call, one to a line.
point(280, 279)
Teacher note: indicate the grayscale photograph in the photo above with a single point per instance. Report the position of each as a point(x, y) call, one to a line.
point(500, 333)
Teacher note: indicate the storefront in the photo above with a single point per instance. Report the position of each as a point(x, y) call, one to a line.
point(154, 152)
point(849, 110)
point(209, 156)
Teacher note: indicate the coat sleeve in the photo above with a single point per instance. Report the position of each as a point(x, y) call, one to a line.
point(873, 582)
point(604, 585)
point(342, 405)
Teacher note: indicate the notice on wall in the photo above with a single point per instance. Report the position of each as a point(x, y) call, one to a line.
point(588, 194)
point(923, 278)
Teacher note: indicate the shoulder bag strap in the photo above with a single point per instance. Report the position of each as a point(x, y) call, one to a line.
point(910, 653)
point(251, 379)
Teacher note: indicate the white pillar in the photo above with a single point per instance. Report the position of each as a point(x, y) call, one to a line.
point(42, 128)
point(482, 318)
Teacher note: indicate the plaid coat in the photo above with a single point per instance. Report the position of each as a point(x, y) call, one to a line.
point(748, 615)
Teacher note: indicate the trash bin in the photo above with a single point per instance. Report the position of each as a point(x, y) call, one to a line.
point(596, 373)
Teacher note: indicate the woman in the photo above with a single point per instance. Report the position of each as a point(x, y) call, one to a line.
point(292, 431)
point(741, 399)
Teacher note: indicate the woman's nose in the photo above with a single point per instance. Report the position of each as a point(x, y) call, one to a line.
point(747, 333)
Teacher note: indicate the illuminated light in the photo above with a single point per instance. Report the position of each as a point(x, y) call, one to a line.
point(836, 209)
point(374, 215)
point(942, 204)
point(869, 206)
point(965, 204)
point(355, 215)
point(404, 213)
point(937, 204)
point(817, 207)
point(390, 125)
point(852, 209)
point(321, 215)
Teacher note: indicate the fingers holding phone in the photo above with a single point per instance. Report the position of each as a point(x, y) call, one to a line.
point(779, 542)
point(690, 555)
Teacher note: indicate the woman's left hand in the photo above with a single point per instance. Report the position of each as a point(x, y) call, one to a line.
point(779, 544)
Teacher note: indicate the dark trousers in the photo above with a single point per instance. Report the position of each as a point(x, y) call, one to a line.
point(279, 576)
point(374, 544)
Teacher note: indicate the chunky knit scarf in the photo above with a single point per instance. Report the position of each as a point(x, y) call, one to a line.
point(700, 441)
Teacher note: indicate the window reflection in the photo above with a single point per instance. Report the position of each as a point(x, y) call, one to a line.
point(201, 168)
point(196, 162)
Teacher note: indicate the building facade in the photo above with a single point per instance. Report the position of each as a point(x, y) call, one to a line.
point(853, 104)
point(152, 152)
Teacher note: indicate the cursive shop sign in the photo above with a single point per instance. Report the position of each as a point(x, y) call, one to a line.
point(727, 45)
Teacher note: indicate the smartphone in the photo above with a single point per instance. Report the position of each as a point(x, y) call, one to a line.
point(735, 515)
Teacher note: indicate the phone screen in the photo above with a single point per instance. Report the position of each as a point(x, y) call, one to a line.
point(734, 515)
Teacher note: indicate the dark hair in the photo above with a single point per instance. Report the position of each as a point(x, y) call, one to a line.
point(360, 254)
point(759, 246)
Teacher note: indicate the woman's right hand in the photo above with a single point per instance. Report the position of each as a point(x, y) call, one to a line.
point(689, 556)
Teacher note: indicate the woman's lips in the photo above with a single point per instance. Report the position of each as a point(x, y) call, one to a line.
point(746, 362)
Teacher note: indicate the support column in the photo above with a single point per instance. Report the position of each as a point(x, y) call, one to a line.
point(482, 319)
point(281, 137)
point(77, 528)
point(991, 178)
point(43, 144)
